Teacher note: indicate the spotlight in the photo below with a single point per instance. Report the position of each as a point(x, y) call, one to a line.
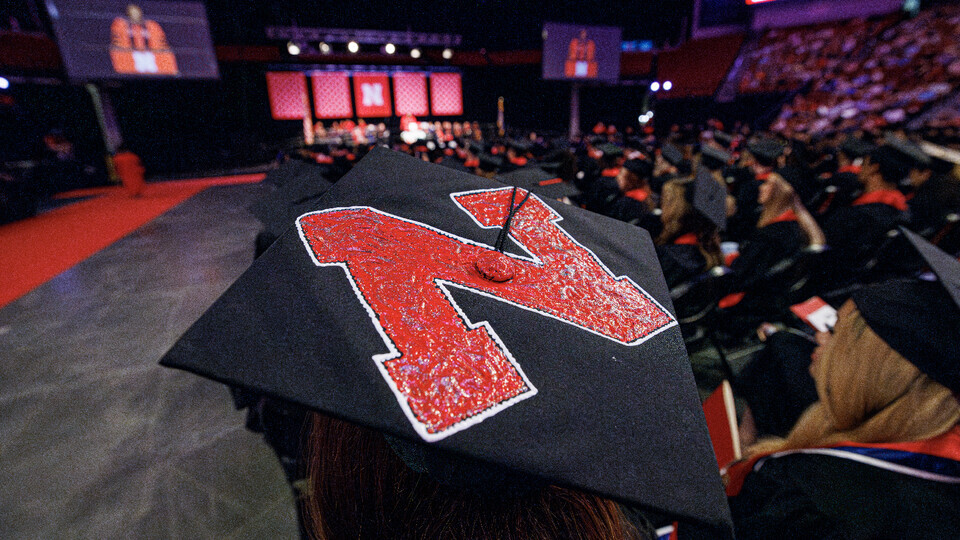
point(447, 54)
point(293, 48)
point(4, 83)
point(415, 53)
point(324, 48)
point(667, 85)
point(389, 48)
point(654, 86)
point(353, 47)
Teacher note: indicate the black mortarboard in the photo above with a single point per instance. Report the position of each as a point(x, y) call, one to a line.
point(278, 210)
point(855, 147)
point(920, 319)
point(539, 182)
point(713, 157)
point(709, 198)
point(610, 150)
point(672, 154)
point(454, 163)
point(909, 151)
point(765, 149)
point(490, 163)
point(640, 167)
point(723, 138)
point(375, 310)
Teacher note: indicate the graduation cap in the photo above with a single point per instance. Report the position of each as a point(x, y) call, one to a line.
point(539, 182)
point(909, 152)
point(454, 163)
point(709, 198)
point(610, 150)
point(294, 196)
point(765, 149)
point(639, 167)
point(672, 154)
point(713, 157)
point(723, 138)
point(855, 147)
point(920, 319)
point(490, 163)
point(479, 321)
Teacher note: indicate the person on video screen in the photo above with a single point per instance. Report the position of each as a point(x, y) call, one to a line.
point(581, 61)
point(139, 46)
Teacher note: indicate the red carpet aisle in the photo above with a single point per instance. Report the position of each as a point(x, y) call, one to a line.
point(33, 251)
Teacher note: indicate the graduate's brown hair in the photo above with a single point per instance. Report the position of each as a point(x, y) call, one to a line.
point(360, 488)
point(688, 220)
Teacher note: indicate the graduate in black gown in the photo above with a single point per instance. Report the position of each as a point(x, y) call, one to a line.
point(878, 456)
point(857, 232)
point(785, 227)
point(692, 215)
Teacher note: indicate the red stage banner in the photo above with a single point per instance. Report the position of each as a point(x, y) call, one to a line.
point(331, 95)
point(446, 98)
point(410, 93)
point(371, 91)
point(288, 94)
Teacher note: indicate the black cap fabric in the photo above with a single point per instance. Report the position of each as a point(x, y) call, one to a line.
point(672, 154)
point(766, 150)
point(714, 158)
point(610, 150)
point(909, 152)
point(855, 147)
point(709, 198)
point(539, 182)
point(490, 163)
point(293, 196)
point(640, 167)
point(559, 357)
point(920, 319)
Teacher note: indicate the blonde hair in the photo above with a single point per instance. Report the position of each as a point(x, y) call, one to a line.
point(780, 200)
point(689, 220)
point(869, 393)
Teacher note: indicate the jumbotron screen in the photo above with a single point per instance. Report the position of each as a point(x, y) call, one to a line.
point(576, 52)
point(111, 39)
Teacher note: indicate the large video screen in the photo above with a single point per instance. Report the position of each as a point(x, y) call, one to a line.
point(575, 52)
point(111, 39)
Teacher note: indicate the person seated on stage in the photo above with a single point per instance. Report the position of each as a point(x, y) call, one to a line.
point(857, 232)
point(878, 455)
point(785, 227)
point(692, 215)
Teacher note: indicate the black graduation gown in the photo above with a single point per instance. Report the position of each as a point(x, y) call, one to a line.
point(932, 202)
point(680, 263)
point(766, 247)
point(818, 496)
point(854, 235)
point(777, 383)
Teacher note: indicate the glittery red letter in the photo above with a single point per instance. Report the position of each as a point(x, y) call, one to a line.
point(447, 372)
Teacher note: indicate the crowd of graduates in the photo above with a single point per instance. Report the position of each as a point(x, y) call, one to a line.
point(746, 226)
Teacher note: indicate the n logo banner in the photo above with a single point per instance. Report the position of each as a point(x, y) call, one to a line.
point(370, 92)
point(446, 371)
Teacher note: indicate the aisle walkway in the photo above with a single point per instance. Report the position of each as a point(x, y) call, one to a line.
point(97, 440)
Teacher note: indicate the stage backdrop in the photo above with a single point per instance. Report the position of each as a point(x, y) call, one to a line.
point(288, 94)
point(111, 39)
point(446, 94)
point(331, 95)
point(576, 52)
point(371, 91)
point(410, 93)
